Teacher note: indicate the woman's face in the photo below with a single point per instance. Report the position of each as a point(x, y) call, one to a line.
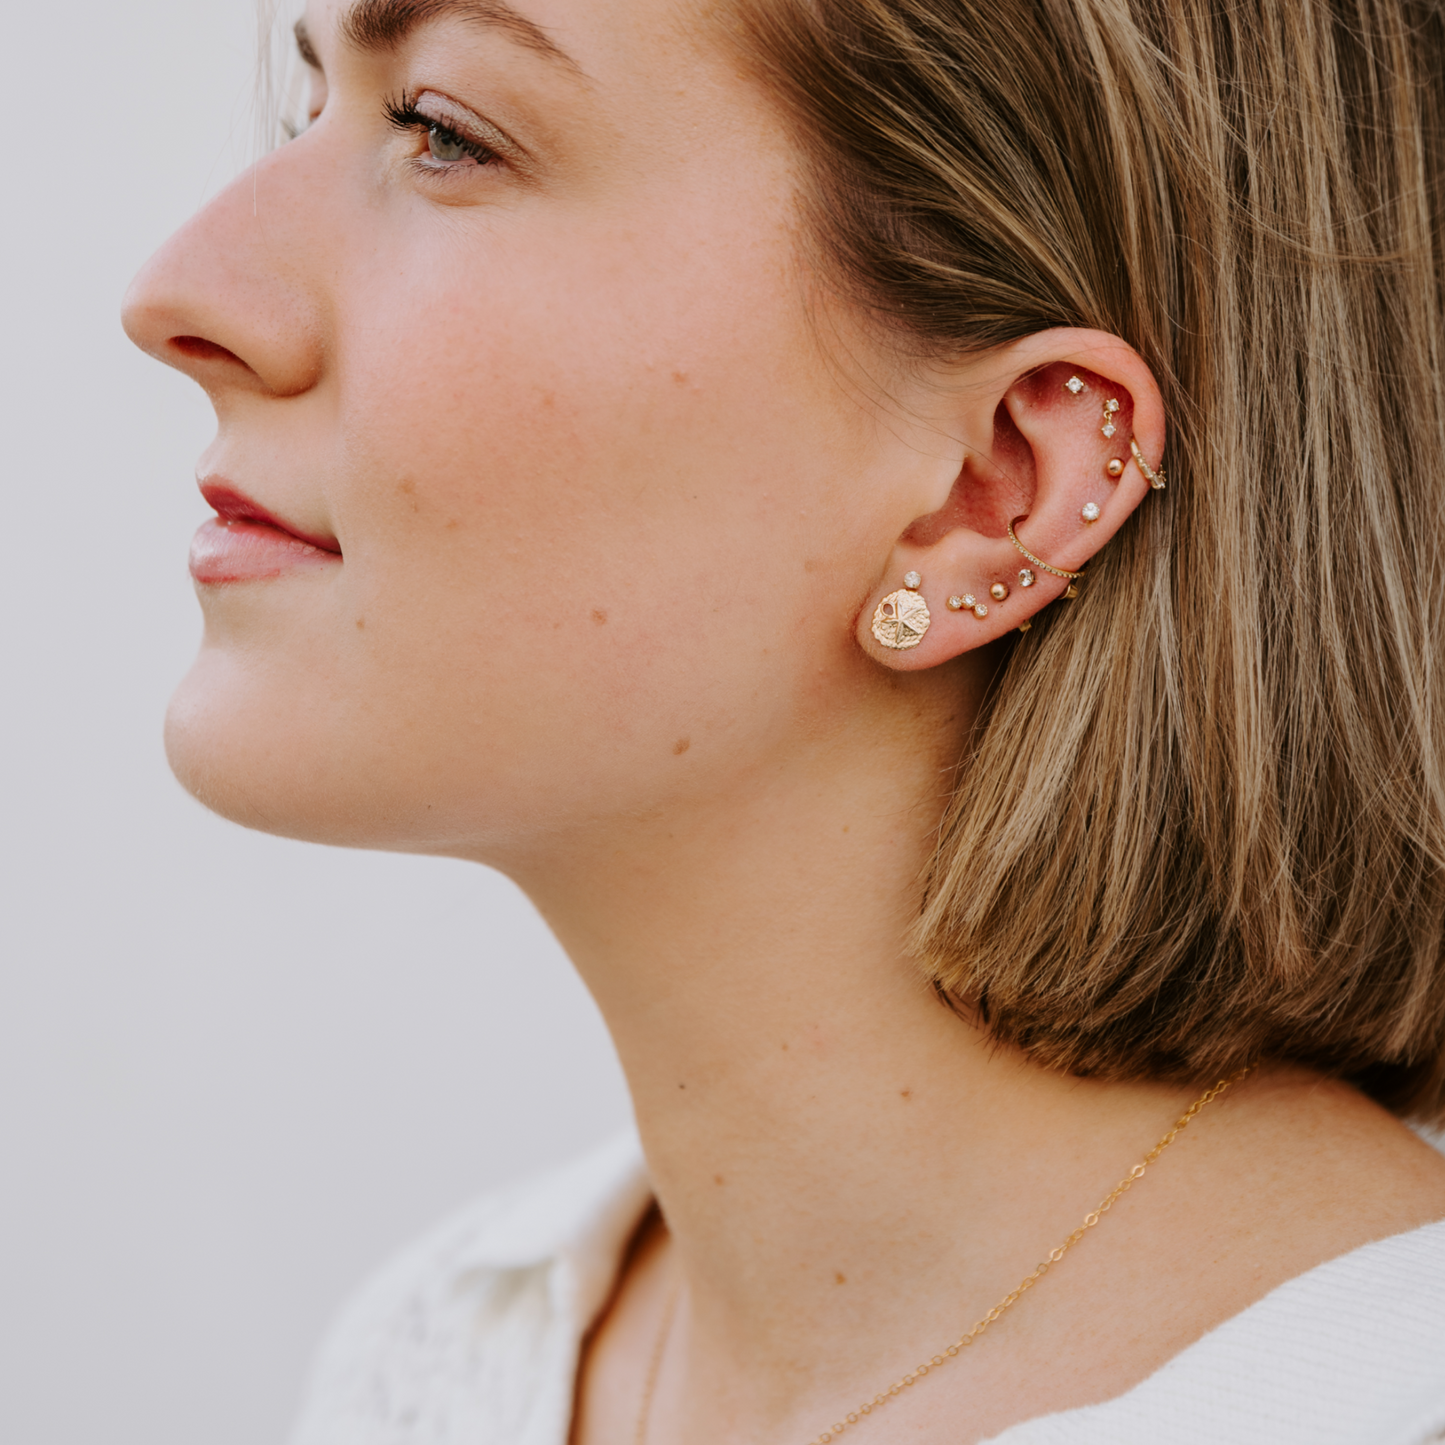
point(520, 334)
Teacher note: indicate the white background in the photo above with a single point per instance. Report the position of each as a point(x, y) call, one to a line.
point(234, 1071)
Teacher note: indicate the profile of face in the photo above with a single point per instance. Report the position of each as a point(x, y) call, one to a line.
point(550, 485)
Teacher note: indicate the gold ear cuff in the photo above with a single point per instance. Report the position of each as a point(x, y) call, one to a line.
point(1039, 561)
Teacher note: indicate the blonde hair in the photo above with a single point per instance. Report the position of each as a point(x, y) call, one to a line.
point(1203, 819)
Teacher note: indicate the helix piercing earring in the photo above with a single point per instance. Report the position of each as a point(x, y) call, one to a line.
point(1026, 578)
point(999, 591)
point(1075, 386)
point(1110, 407)
point(1156, 477)
point(902, 618)
point(1115, 468)
point(1090, 511)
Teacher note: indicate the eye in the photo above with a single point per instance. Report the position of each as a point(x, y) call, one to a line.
point(446, 146)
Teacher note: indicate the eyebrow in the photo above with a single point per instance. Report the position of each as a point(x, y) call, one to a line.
point(381, 25)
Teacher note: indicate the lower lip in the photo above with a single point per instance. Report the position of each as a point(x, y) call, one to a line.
point(225, 551)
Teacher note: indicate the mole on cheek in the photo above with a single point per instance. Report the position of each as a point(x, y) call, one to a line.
point(681, 746)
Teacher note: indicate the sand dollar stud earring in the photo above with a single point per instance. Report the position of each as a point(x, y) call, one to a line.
point(1090, 511)
point(902, 617)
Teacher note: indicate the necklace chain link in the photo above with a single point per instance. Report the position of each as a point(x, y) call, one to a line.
point(905, 1382)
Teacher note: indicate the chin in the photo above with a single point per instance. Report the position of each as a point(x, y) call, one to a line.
point(264, 750)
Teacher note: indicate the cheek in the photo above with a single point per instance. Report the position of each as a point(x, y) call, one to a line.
point(597, 548)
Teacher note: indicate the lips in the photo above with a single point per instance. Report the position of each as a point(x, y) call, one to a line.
point(246, 543)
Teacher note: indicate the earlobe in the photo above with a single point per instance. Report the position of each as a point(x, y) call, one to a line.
point(1039, 492)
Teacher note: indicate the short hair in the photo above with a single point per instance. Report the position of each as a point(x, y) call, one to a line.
point(1202, 818)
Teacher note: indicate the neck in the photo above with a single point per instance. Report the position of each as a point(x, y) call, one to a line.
point(828, 1142)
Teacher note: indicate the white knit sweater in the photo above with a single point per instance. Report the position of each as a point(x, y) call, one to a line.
point(472, 1336)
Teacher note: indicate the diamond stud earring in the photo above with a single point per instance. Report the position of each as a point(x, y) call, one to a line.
point(1074, 386)
point(1026, 577)
point(1090, 511)
point(1110, 407)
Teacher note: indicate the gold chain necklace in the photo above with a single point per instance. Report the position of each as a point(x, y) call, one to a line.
point(644, 1414)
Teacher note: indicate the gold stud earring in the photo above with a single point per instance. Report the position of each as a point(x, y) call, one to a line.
point(902, 617)
point(1115, 468)
point(955, 603)
point(1110, 407)
point(1074, 386)
point(999, 591)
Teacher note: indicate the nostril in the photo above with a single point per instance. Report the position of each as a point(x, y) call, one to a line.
point(197, 348)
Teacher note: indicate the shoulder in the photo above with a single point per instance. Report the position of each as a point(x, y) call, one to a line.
point(472, 1332)
point(1350, 1352)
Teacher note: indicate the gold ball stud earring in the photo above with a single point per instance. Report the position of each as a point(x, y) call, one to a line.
point(998, 591)
point(1115, 467)
point(902, 617)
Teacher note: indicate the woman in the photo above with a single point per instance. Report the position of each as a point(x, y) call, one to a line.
point(913, 530)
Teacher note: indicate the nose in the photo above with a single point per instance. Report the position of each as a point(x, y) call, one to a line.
point(231, 299)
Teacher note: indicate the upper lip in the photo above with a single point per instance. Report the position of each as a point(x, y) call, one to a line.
point(231, 505)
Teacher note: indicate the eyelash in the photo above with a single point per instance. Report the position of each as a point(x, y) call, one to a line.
point(405, 117)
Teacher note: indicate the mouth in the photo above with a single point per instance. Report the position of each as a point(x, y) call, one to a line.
point(244, 542)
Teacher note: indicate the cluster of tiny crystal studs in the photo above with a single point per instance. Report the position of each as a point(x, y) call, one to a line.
point(999, 591)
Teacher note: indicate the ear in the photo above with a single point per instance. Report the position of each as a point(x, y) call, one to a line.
point(1029, 422)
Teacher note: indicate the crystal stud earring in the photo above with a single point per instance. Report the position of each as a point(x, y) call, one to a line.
point(1090, 511)
point(1110, 407)
point(1074, 386)
point(1026, 577)
point(956, 604)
